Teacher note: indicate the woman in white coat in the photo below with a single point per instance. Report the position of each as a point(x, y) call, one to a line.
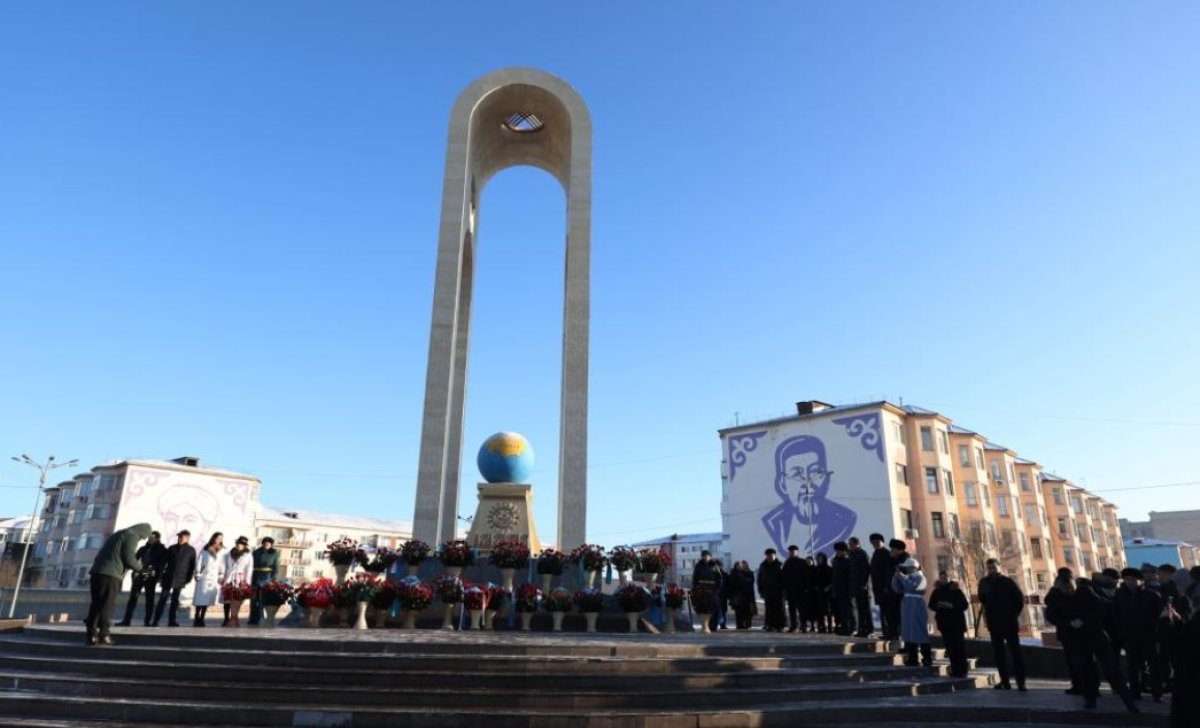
point(210, 567)
point(238, 567)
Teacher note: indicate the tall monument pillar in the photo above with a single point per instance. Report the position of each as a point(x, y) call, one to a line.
point(507, 118)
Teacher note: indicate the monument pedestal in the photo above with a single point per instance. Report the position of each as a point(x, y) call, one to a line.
point(505, 513)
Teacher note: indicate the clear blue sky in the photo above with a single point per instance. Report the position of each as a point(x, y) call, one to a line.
point(218, 225)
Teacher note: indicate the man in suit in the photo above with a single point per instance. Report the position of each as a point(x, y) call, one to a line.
point(179, 568)
point(860, 576)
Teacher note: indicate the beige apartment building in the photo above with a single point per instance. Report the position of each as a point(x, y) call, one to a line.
point(955, 496)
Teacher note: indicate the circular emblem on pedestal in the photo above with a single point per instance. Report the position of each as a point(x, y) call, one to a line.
point(504, 517)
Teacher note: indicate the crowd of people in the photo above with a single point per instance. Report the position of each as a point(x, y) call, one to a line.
point(167, 571)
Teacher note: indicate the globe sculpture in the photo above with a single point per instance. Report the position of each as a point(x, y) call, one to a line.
point(506, 457)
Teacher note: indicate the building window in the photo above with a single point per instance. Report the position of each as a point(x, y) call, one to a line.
point(1025, 482)
point(902, 473)
point(906, 519)
point(926, 439)
point(949, 478)
point(954, 531)
point(1035, 545)
point(987, 498)
point(942, 563)
point(979, 457)
point(944, 442)
point(1002, 505)
point(1012, 474)
point(964, 455)
point(1081, 532)
point(1041, 581)
point(931, 483)
point(1085, 559)
point(939, 527)
point(1068, 555)
point(1062, 527)
point(1056, 495)
point(996, 473)
point(976, 532)
point(969, 492)
point(991, 535)
point(900, 434)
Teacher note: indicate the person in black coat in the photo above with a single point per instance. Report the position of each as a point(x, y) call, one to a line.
point(1185, 651)
point(179, 568)
point(949, 607)
point(843, 606)
point(707, 574)
point(1138, 610)
point(153, 555)
point(1076, 612)
point(821, 578)
point(741, 594)
point(795, 573)
point(882, 569)
point(770, 588)
point(1003, 601)
point(860, 577)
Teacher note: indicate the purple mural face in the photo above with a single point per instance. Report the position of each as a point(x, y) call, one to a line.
point(802, 482)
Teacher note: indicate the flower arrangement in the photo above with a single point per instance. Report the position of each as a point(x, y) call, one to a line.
point(360, 588)
point(316, 594)
point(558, 600)
point(673, 596)
point(527, 597)
point(622, 558)
point(236, 591)
point(456, 553)
point(344, 552)
point(589, 600)
point(341, 597)
point(415, 595)
point(475, 598)
point(385, 595)
point(449, 589)
point(653, 561)
point(276, 593)
point(381, 560)
point(497, 596)
point(510, 555)
point(633, 598)
point(704, 601)
point(590, 555)
point(551, 561)
point(414, 552)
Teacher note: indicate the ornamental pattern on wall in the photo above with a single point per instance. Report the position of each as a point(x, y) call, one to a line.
point(866, 428)
point(739, 447)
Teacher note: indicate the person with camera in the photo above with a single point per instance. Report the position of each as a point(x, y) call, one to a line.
point(152, 555)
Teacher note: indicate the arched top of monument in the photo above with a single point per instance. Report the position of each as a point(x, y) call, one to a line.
point(523, 116)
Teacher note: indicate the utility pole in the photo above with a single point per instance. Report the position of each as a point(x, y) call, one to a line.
point(43, 471)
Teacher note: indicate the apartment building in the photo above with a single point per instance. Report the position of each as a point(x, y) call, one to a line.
point(301, 538)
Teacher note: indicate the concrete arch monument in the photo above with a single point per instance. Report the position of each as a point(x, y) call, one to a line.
point(507, 118)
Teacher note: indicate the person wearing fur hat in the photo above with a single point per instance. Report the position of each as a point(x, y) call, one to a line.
point(1076, 612)
point(949, 606)
point(1137, 611)
point(914, 619)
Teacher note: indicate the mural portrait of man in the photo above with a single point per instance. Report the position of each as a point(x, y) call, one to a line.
point(802, 481)
point(189, 507)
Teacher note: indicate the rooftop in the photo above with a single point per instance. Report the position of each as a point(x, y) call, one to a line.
point(683, 538)
point(1133, 543)
point(316, 518)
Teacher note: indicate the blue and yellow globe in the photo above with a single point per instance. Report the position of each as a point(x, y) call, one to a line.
point(506, 457)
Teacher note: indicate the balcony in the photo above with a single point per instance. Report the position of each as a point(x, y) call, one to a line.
point(292, 543)
point(298, 562)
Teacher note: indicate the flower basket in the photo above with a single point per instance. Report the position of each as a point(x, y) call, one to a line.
point(381, 560)
point(551, 562)
point(590, 556)
point(673, 596)
point(510, 555)
point(276, 593)
point(633, 598)
point(414, 552)
point(345, 552)
point(623, 558)
point(475, 598)
point(415, 595)
point(456, 554)
point(589, 600)
point(317, 593)
point(653, 561)
point(449, 589)
point(385, 595)
point(362, 588)
point(558, 600)
point(238, 591)
point(526, 598)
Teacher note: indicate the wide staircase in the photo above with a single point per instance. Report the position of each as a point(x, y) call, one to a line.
point(396, 678)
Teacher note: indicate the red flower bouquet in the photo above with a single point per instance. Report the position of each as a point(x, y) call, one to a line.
point(527, 597)
point(475, 598)
point(704, 601)
point(414, 552)
point(633, 598)
point(558, 600)
point(360, 588)
point(590, 555)
point(381, 560)
point(318, 593)
point(345, 552)
point(510, 555)
point(653, 561)
point(551, 561)
point(237, 591)
point(276, 593)
point(385, 595)
point(623, 558)
point(673, 596)
point(589, 600)
point(497, 597)
point(449, 589)
point(456, 553)
point(415, 596)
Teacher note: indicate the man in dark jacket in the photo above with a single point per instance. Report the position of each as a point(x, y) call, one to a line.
point(770, 588)
point(116, 556)
point(1003, 601)
point(707, 574)
point(152, 555)
point(860, 576)
point(1138, 610)
point(949, 607)
point(882, 569)
point(179, 568)
point(266, 566)
point(794, 573)
point(843, 607)
point(1076, 613)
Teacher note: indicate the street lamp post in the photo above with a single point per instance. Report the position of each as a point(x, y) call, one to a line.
point(43, 471)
